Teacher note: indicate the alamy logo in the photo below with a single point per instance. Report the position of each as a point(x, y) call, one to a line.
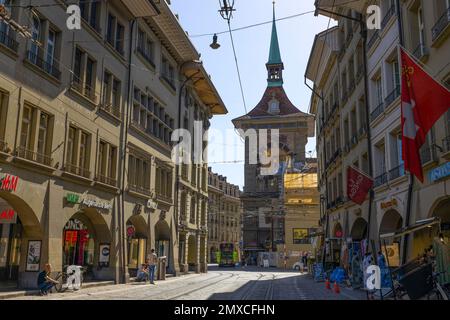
point(74, 20)
point(74, 277)
point(373, 281)
point(373, 17)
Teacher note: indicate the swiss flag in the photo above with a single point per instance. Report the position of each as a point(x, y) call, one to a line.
point(358, 185)
point(424, 101)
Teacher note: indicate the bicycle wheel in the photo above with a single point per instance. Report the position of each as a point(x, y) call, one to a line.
point(61, 286)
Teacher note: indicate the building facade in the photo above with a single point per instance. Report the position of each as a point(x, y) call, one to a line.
point(85, 138)
point(425, 31)
point(263, 204)
point(224, 215)
point(301, 201)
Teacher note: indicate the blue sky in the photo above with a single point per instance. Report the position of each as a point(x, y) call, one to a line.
point(296, 37)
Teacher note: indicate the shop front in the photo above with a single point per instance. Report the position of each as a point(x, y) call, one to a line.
point(137, 243)
point(79, 245)
point(162, 241)
point(20, 235)
point(356, 251)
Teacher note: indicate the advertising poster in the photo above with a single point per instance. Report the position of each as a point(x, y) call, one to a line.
point(393, 255)
point(103, 259)
point(33, 256)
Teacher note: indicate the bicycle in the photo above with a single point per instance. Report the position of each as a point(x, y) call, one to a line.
point(62, 277)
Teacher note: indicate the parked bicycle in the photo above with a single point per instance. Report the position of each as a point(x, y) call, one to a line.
point(62, 277)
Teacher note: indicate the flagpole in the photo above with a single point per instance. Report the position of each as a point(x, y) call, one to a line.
point(411, 176)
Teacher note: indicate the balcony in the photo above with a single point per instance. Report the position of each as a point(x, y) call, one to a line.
point(46, 160)
point(380, 180)
point(389, 14)
point(83, 172)
point(106, 180)
point(139, 189)
point(377, 112)
point(392, 96)
point(113, 110)
point(441, 25)
point(83, 89)
point(48, 67)
point(373, 39)
point(8, 41)
point(427, 155)
point(397, 172)
point(421, 52)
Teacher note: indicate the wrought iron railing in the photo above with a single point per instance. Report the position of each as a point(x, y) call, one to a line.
point(31, 155)
point(397, 172)
point(392, 96)
point(389, 14)
point(79, 171)
point(139, 189)
point(8, 40)
point(377, 112)
point(380, 180)
point(106, 180)
point(420, 51)
point(48, 67)
point(441, 24)
point(109, 108)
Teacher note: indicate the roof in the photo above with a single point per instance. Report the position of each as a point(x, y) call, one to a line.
point(274, 53)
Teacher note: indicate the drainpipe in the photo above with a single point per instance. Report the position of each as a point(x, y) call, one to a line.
point(121, 217)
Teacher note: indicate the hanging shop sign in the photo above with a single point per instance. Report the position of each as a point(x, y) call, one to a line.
point(130, 231)
point(8, 182)
point(76, 199)
point(440, 172)
point(152, 204)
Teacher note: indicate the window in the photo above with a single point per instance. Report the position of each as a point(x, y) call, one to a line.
point(139, 174)
point(78, 152)
point(115, 34)
point(146, 47)
point(40, 150)
point(3, 114)
point(164, 183)
point(42, 51)
point(107, 162)
point(397, 168)
point(111, 100)
point(168, 72)
point(84, 74)
point(90, 12)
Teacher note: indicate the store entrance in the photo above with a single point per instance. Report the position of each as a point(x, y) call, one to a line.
point(79, 245)
point(162, 241)
point(10, 243)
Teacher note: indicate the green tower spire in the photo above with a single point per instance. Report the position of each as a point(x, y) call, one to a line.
point(274, 65)
point(274, 55)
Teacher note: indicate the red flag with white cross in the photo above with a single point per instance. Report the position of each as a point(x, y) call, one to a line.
point(424, 101)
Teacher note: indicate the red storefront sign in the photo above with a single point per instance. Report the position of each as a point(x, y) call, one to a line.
point(9, 182)
point(7, 216)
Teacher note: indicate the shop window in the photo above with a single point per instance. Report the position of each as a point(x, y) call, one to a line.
point(79, 244)
point(11, 239)
point(136, 252)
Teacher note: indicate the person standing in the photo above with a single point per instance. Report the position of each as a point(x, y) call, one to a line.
point(152, 259)
point(45, 283)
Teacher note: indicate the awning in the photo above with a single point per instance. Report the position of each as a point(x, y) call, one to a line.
point(141, 8)
point(419, 225)
point(334, 5)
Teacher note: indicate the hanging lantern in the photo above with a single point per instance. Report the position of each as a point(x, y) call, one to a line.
point(215, 45)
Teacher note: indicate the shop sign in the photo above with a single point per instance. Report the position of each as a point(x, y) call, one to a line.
point(440, 172)
point(8, 216)
point(389, 204)
point(9, 182)
point(103, 260)
point(152, 204)
point(74, 199)
point(130, 231)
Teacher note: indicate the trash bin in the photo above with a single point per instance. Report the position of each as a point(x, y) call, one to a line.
point(161, 268)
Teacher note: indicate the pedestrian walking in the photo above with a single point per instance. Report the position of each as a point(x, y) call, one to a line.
point(152, 259)
point(45, 282)
point(305, 261)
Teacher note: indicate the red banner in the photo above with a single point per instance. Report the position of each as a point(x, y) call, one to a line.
point(358, 185)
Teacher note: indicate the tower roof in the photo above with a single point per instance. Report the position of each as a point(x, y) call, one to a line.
point(274, 53)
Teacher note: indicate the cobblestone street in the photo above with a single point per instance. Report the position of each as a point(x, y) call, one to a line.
point(218, 284)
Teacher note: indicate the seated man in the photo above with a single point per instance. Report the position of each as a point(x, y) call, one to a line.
point(45, 283)
point(143, 273)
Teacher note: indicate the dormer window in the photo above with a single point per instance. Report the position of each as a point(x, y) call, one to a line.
point(274, 106)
